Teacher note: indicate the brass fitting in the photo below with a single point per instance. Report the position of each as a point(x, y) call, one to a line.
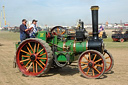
point(95, 8)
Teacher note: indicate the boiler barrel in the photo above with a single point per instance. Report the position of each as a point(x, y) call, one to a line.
point(72, 46)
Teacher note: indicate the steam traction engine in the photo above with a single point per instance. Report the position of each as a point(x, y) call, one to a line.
point(35, 56)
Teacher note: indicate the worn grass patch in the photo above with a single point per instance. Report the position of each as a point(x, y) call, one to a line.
point(9, 36)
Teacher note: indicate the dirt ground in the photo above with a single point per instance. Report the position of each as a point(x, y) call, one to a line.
point(66, 76)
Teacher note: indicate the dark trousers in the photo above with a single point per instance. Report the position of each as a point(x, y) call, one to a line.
point(23, 36)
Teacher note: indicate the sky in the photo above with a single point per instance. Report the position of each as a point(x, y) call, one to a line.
point(63, 12)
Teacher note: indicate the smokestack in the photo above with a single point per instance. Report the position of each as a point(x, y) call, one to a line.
point(95, 21)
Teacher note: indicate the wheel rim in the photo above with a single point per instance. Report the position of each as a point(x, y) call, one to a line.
point(58, 30)
point(31, 58)
point(108, 61)
point(89, 64)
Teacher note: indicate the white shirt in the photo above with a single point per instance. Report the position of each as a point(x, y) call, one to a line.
point(33, 30)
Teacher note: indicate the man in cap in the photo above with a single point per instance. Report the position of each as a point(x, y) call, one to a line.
point(24, 32)
point(33, 28)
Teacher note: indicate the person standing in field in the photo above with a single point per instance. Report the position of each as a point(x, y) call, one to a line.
point(24, 32)
point(33, 28)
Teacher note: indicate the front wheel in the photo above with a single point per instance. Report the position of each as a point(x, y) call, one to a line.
point(109, 61)
point(121, 40)
point(91, 64)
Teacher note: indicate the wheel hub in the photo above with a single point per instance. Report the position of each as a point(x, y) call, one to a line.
point(91, 64)
point(33, 57)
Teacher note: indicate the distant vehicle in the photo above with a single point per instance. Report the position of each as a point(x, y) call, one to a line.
point(5, 29)
point(120, 35)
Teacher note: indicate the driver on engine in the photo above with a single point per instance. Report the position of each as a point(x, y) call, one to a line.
point(33, 28)
point(24, 31)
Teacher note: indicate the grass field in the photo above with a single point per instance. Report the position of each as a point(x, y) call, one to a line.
point(66, 76)
point(110, 44)
point(9, 36)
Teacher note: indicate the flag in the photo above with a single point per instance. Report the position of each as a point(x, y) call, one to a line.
point(101, 28)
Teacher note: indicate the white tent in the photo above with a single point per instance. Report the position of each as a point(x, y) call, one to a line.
point(0, 28)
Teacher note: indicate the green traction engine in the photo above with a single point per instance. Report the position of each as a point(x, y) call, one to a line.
point(58, 48)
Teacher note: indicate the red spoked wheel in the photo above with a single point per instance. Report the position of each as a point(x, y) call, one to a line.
point(34, 57)
point(109, 61)
point(58, 30)
point(91, 64)
point(121, 40)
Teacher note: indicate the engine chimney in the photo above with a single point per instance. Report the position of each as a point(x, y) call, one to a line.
point(95, 21)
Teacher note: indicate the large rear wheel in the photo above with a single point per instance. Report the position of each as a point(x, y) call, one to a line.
point(34, 57)
point(91, 64)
